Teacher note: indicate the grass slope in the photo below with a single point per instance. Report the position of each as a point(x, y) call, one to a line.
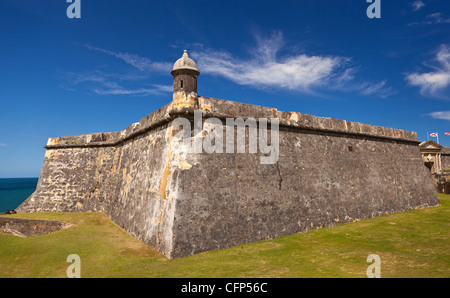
point(410, 244)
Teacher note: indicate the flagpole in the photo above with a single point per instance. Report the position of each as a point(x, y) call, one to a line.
point(437, 136)
point(428, 136)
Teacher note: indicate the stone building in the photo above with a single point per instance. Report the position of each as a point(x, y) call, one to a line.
point(437, 159)
point(182, 202)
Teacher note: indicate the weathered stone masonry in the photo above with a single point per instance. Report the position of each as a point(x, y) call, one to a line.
point(329, 171)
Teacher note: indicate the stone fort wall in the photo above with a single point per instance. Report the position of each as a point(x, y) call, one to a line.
point(329, 172)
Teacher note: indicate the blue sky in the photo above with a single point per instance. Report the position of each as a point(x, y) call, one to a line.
point(111, 67)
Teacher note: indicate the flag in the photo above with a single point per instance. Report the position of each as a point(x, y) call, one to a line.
point(434, 134)
point(447, 134)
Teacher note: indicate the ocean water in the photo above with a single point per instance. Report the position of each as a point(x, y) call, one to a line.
point(13, 191)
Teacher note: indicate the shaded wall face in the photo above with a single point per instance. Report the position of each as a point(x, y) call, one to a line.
point(319, 180)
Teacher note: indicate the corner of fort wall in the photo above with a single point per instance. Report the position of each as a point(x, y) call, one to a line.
point(183, 203)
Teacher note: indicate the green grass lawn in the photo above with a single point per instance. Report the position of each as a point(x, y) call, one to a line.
point(410, 244)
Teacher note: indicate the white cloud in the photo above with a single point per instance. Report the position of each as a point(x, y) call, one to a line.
point(445, 115)
point(104, 83)
point(141, 63)
point(432, 81)
point(376, 89)
point(300, 72)
point(108, 84)
point(115, 89)
point(435, 81)
point(2, 145)
point(296, 72)
point(417, 5)
point(431, 19)
point(437, 18)
point(265, 68)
